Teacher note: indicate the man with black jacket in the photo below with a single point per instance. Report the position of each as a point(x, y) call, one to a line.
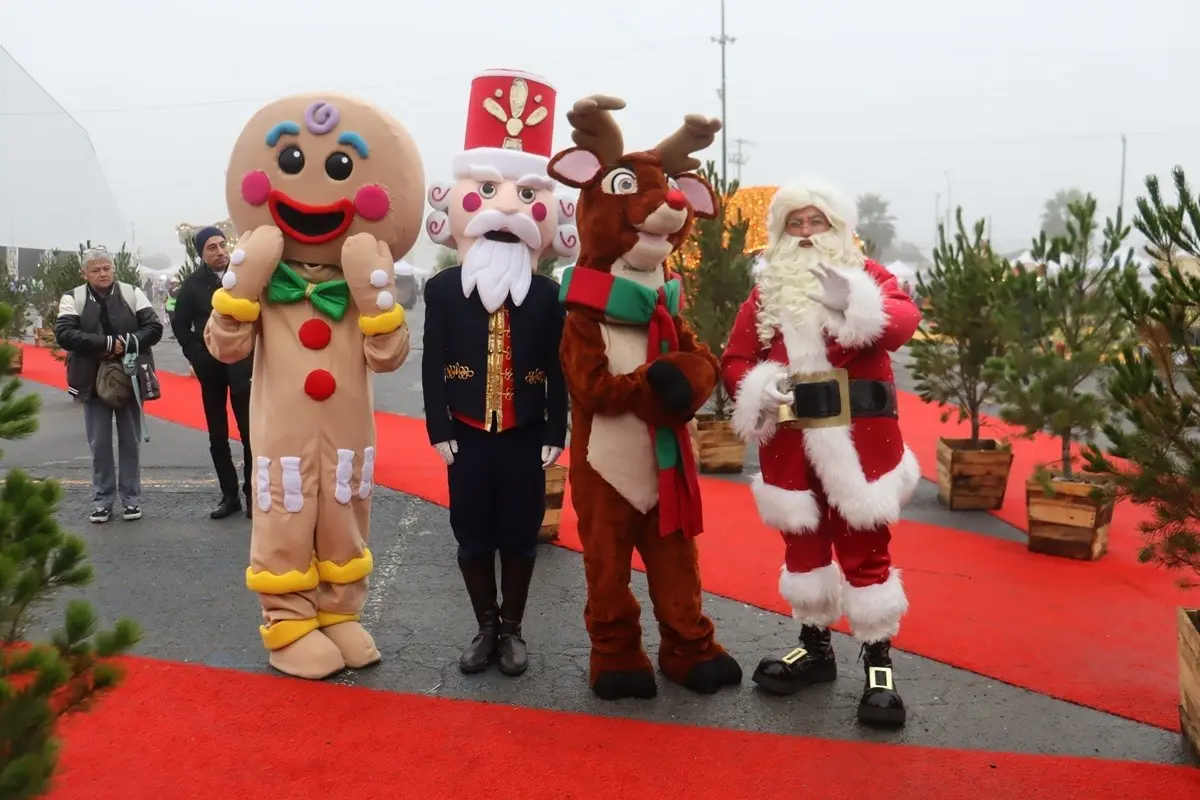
point(217, 381)
point(96, 323)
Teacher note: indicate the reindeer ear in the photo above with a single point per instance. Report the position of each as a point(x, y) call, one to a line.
point(575, 167)
point(699, 194)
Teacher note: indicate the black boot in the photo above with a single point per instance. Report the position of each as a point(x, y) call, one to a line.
point(229, 505)
point(479, 574)
point(881, 704)
point(249, 507)
point(812, 662)
point(515, 575)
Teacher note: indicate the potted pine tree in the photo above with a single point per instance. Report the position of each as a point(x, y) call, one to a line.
point(963, 292)
point(1061, 326)
point(714, 291)
point(57, 273)
point(16, 297)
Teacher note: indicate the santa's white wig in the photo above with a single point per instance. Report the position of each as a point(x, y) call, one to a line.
point(801, 193)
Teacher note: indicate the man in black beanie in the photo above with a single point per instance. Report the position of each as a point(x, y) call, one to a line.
point(217, 381)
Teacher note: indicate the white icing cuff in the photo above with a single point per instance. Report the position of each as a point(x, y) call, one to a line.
point(237, 256)
point(228, 280)
point(379, 279)
point(385, 301)
point(864, 320)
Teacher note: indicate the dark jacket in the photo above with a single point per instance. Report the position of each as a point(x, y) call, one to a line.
point(455, 359)
point(88, 334)
point(193, 307)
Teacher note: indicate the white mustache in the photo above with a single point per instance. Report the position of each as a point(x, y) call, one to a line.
point(519, 225)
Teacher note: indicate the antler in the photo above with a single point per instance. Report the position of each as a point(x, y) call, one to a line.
point(696, 134)
point(594, 127)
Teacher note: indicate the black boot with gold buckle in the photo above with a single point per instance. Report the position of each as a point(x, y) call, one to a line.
point(881, 704)
point(812, 662)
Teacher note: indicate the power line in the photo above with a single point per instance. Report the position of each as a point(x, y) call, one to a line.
point(1035, 139)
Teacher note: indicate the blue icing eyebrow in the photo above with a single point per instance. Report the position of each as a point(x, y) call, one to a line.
point(279, 130)
point(354, 140)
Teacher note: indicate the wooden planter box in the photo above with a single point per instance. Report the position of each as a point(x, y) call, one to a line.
point(18, 360)
point(1189, 677)
point(1071, 522)
point(720, 450)
point(972, 479)
point(43, 337)
point(556, 488)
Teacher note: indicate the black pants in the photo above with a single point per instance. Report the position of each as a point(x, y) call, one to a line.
point(214, 389)
point(497, 491)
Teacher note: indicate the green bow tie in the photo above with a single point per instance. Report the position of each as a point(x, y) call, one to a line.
point(331, 298)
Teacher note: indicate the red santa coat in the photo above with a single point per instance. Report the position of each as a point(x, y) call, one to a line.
point(864, 471)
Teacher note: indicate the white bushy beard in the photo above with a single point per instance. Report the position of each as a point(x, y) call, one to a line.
point(787, 279)
point(498, 270)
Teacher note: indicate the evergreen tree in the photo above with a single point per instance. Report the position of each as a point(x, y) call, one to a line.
point(962, 295)
point(57, 273)
point(126, 268)
point(546, 265)
point(192, 261)
point(41, 682)
point(1154, 444)
point(446, 258)
point(721, 280)
point(1061, 328)
point(876, 225)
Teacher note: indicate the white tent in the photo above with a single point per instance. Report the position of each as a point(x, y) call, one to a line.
point(902, 271)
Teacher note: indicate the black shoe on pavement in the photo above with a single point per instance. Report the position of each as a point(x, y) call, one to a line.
point(881, 704)
point(226, 508)
point(479, 575)
point(812, 662)
point(100, 515)
point(131, 513)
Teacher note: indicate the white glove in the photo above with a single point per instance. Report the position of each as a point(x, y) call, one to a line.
point(447, 450)
point(550, 455)
point(774, 395)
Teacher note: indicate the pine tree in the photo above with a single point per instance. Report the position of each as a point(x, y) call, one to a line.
point(1154, 445)
point(57, 273)
point(191, 263)
point(721, 280)
point(1061, 328)
point(446, 258)
point(41, 682)
point(963, 292)
point(125, 267)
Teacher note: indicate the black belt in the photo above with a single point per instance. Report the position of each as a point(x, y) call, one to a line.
point(822, 399)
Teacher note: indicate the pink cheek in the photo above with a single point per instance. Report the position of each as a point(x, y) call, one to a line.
point(539, 211)
point(256, 187)
point(372, 203)
point(471, 202)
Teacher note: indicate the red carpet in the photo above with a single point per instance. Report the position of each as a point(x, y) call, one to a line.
point(1099, 634)
point(181, 731)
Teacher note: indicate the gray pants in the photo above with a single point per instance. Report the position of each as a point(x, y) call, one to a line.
point(98, 422)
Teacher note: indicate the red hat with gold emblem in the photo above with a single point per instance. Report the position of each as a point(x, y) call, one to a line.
point(510, 124)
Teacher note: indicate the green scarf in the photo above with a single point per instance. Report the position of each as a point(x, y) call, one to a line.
point(631, 303)
point(331, 298)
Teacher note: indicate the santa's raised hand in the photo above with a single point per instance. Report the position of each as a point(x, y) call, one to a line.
point(252, 262)
point(835, 289)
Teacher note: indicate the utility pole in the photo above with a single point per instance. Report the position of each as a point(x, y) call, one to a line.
point(723, 40)
point(949, 205)
point(1121, 199)
point(937, 217)
point(740, 158)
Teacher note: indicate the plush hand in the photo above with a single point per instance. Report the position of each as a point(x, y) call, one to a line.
point(368, 268)
point(550, 455)
point(252, 263)
point(835, 289)
point(671, 386)
point(447, 450)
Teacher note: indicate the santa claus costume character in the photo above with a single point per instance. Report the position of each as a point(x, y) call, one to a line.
point(809, 366)
point(495, 400)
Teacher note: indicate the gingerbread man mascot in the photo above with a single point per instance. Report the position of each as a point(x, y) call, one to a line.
point(809, 366)
point(327, 192)
point(636, 376)
point(495, 400)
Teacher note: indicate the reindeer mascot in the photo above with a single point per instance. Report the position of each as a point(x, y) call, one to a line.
point(637, 376)
point(328, 192)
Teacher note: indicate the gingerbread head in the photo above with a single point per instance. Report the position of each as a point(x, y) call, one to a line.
point(322, 168)
point(501, 210)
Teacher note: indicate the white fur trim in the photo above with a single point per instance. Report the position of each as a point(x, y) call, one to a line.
point(815, 596)
point(811, 191)
point(875, 611)
point(864, 319)
point(751, 420)
point(512, 164)
point(791, 511)
point(863, 504)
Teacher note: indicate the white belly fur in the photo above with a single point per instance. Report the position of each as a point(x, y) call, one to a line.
point(620, 448)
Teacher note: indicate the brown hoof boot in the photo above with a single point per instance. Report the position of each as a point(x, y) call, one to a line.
point(355, 644)
point(313, 657)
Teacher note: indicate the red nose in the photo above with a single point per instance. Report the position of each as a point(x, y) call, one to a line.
point(677, 199)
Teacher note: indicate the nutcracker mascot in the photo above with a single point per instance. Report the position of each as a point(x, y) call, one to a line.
point(636, 376)
point(495, 401)
point(809, 366)
point(326, 192)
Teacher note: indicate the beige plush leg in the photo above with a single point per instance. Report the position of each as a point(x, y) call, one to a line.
point(283, 571)
point(343, 559)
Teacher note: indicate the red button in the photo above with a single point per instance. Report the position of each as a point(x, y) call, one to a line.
point(315, 334)
point(319, 385)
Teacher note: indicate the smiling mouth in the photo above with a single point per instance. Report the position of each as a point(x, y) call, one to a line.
point(502, 236)
point(310, 224)
point(806, 243)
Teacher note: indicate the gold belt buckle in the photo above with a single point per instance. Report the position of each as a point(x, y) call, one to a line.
point(794, 656)
point(787, 413)
point(884, 679)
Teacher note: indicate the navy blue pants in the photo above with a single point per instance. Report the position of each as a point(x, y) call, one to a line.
point(497, 491)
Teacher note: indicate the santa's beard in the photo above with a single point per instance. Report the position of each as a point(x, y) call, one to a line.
point(498, 270)
point(787, 280)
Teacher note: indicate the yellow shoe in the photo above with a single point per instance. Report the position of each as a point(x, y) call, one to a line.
point(357, 647)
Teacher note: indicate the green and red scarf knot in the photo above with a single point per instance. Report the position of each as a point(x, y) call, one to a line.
point(623, 300)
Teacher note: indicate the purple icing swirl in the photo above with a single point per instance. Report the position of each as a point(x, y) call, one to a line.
point(321, 117)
